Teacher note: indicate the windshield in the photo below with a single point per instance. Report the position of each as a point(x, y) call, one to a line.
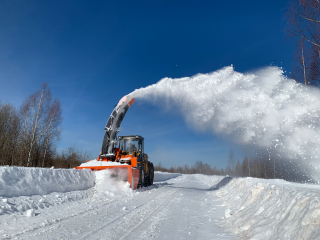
point(129, 145)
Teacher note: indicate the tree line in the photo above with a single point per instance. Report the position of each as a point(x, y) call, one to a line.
point(28, 135)
point(268, 167)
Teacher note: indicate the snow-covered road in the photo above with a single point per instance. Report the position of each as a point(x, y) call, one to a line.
point(80, 204)
point(180, 208)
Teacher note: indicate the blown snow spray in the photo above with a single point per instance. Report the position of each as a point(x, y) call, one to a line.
point(263, 110)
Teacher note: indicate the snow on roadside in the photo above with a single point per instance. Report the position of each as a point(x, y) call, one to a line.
point(23, 189)
point(164, 176)
point(22, 204)
point(20, 181)
point(270, 209)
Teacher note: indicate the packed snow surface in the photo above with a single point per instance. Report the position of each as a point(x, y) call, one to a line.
point(183, 207)
point(20, 181)
point(263, 110)
point(92, 163)
point(164, 176)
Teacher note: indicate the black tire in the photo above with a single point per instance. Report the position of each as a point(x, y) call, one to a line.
point(151, 174)
point(141, 182)
point(148, 177)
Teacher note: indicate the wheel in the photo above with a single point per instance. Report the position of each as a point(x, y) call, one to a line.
point(151, 174)
point(141, 182)
point(148, 177)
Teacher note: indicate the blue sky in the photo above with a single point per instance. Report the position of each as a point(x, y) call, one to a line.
point(92, 53)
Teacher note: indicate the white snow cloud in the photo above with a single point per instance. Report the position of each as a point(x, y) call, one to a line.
point(263, 110)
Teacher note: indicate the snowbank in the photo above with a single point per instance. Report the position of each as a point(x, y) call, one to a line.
point(270, 209)
point(22, 204)
point(20, 181)
point(164, 176)
point(100, 163)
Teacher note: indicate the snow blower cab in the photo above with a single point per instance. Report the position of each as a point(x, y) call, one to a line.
point(124, 156)
point(131, 145)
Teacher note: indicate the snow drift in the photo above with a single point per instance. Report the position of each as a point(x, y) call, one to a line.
point(20, 181)
point(268, 209)
point(264, 110)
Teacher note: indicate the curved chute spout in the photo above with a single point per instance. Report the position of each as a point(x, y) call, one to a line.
point(112, 126)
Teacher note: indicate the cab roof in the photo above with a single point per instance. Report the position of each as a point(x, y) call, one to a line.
point(136, 137)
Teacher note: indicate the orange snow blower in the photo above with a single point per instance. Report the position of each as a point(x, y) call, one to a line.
point(123, 155)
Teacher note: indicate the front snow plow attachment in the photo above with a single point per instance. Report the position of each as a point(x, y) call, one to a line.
point(122, 172)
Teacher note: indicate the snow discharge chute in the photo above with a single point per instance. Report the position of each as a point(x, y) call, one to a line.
point(264, 111)
point(113, 125)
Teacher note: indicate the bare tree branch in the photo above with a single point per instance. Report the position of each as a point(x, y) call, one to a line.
point(306, 18)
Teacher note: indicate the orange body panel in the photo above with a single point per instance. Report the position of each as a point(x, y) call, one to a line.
point(134, 162)
point(131, 102)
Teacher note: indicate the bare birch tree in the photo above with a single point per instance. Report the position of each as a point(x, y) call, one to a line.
point(303, 26)
point(301, 67)
point(39, 107)
point(41, 119)
point(53, 130)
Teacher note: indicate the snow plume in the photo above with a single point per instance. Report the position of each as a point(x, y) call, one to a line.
point(264, 111)
point(113, 182)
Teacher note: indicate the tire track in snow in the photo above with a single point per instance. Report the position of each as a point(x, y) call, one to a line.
point(154, 228)
point(150, 215)
point(55, 223)
point(116, 227)
point(74, 226)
